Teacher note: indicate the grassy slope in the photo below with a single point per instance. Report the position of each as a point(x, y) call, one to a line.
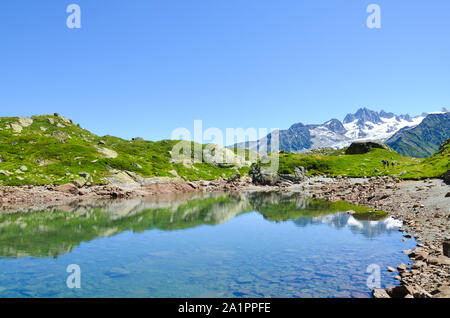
point(368, 165)
point(49, 161)
point(423, 140)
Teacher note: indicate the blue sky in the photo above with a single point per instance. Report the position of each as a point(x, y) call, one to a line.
point(144, 67)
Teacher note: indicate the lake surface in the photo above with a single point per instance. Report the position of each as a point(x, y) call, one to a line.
point(215, 245)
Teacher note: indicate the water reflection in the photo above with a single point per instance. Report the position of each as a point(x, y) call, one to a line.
point(369, 229)
point(58, 230)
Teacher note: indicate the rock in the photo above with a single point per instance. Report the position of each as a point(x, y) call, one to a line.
point(357, 148)
point(433, 261)
point(60, 135)
point(101, 142)
point(260, 177)
point(443, 260)
point(137, 165)
point(380, 293)
point(418, 264)
point(442, 292)
point(351, 212)
point(300, 173)
point(391, 269)
point(85, 175)
point(137, 138)
point(419, 254)
point(67, 188)
point(422, 294)
point(107, 153)
point(398, 291)
point(447, 195)
point(121, 177)
point(192, 184)
point(446, 248)
point(447, 177)
point(6, 173)
point(25, 121)
point(222, 157)
point(16, 128)
point(79, 182)
point(23, 168)
point(402, 267)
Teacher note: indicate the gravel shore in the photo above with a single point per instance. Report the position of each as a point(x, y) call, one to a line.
point(424, 209)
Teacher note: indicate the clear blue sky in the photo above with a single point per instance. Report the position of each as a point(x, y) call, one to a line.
point(145, 67)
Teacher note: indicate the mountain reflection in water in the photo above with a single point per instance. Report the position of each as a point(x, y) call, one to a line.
point(58, 230)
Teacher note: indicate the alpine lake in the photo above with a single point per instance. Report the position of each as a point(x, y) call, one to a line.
point(251, 244)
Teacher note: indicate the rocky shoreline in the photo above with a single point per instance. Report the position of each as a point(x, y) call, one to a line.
point(423, 206)
point(424, 209)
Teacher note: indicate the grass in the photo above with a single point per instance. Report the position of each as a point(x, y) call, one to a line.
point(54, 150)
point(368, 165)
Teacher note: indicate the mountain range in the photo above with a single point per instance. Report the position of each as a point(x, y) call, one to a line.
point(418, 136)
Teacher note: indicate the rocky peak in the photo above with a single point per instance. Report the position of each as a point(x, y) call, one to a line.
point(363, 115)
point(336, 126)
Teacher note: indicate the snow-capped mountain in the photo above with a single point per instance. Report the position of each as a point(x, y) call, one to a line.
point(363, 125)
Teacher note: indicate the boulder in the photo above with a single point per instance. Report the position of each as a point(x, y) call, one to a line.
point(398, 291)
point(25, 121)
point(107, 153)
point(79, 182)
point(362, 147)
point(67, 188)
point(222, 157)
point(447, 177)
point(261, 177)
point(300, 173)
point(446, 248)
point(16, 128)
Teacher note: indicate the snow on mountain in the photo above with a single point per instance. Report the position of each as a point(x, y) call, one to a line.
point(363, 125)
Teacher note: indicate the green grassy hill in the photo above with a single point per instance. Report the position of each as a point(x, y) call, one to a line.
point(53, 150)
point(369, 164)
